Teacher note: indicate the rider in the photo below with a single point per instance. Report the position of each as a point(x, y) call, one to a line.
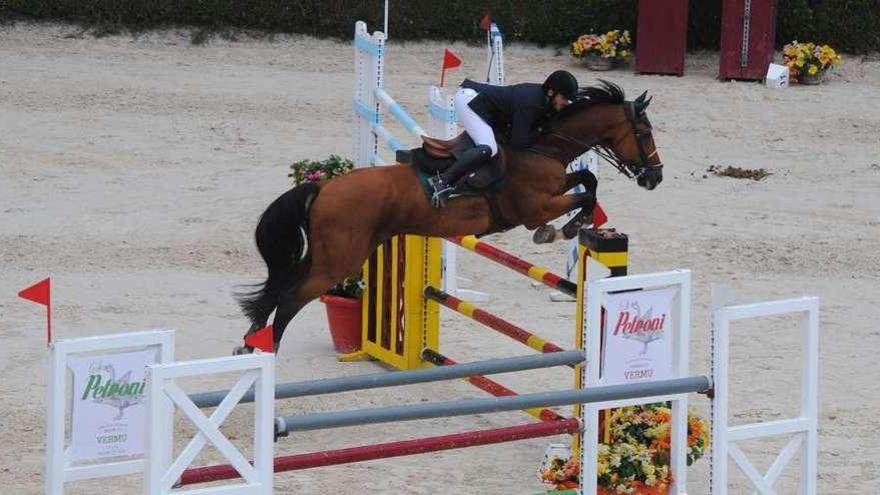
point(484, 108)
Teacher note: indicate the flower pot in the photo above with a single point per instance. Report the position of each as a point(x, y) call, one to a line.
point(344, 317)
point(598, 62)
point(811, 80)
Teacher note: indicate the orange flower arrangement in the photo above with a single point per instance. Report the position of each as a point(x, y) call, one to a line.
point(809, 59)
point(637, 458)
point(613, 44)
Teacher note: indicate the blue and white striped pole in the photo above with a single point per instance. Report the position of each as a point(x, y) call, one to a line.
point(495, 47)
point(406, 119)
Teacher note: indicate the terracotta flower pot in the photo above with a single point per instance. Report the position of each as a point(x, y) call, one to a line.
point(344, 316)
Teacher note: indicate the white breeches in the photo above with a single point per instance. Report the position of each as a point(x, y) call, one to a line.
point(476, 127)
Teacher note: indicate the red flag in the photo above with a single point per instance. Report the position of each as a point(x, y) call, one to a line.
point(262, 339)
point(599, 216)
point(450, 61)
point(40, 294)
point(486, 22)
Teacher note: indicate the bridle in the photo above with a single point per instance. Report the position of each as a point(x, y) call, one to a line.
point(630, 168)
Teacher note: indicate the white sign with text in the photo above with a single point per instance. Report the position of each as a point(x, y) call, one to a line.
point(108, 409)
point(637, 336)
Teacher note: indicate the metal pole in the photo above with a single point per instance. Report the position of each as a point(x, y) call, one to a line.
point(386, 20)
point(394, 378)
point(491, 386)
point(409, 412)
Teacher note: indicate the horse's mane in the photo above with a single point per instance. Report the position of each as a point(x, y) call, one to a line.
point(605, 93)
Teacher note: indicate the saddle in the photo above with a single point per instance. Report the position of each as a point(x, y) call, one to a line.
point(446, 148)
point(437, 155)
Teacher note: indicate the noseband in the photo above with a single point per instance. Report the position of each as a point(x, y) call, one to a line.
point(629, 168)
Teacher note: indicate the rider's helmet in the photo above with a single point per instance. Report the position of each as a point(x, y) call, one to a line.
point(563, 82)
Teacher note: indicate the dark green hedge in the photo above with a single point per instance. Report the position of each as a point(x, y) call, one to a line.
point(850, 25)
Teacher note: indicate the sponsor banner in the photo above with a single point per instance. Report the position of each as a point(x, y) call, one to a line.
point(637, 336)
point(108, 410)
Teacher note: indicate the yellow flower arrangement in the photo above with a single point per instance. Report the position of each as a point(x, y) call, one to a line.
point(809, 59)
point(613, 44)
point(637, 459)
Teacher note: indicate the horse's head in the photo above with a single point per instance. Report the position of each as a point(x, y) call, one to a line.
point(619, 130)
point(632, 145)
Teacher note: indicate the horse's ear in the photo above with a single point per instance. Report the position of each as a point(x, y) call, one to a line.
point(642, 103)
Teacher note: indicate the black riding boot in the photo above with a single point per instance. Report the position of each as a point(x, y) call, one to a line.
point(467, 162)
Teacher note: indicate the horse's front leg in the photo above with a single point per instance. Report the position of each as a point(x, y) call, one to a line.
point(558, 206)
point(584, 199)
point(583, 178)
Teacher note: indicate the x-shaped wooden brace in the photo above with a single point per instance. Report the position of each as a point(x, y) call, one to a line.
point(764, 484)
point(209, 430)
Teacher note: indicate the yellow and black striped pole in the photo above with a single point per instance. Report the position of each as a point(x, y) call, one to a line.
point(495, 323)
point(515, 263)
point(610, 249)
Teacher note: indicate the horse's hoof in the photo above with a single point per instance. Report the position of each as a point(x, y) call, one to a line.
point(544, 234)
point(242, 349)
point(571, 231)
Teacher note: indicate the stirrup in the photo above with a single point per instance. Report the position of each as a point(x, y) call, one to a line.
point(439, 198)
point(441, 192)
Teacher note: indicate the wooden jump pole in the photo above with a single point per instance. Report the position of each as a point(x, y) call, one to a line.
point(495, 323)
point(391, 449)
point(515, 263)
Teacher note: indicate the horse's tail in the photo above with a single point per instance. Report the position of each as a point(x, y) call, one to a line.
point(282, 239)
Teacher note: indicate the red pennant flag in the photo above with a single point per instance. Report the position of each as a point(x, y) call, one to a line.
point(40, 293)
point(486, 22)
point(263, 339)
point(599, 216)
point(450, 61)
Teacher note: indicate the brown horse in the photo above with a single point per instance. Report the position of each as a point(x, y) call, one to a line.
point(317, 234)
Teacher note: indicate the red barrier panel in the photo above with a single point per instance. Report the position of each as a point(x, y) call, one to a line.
point(661, 36)
point(748, 29)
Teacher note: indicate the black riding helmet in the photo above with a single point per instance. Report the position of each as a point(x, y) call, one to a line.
point(563, 82)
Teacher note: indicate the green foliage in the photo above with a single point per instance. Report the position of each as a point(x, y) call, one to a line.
point(846, 24)
point(314, 171)
point(352, 287)
point(797, 23)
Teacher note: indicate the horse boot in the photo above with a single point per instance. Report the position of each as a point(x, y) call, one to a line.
point(444, 183)
point(547, 234)
point(571, 229)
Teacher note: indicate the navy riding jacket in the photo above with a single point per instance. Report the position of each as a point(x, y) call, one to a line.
point(518, 109)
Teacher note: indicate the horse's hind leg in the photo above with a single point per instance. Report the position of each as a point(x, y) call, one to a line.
point(293, 300)
point(245, 349)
